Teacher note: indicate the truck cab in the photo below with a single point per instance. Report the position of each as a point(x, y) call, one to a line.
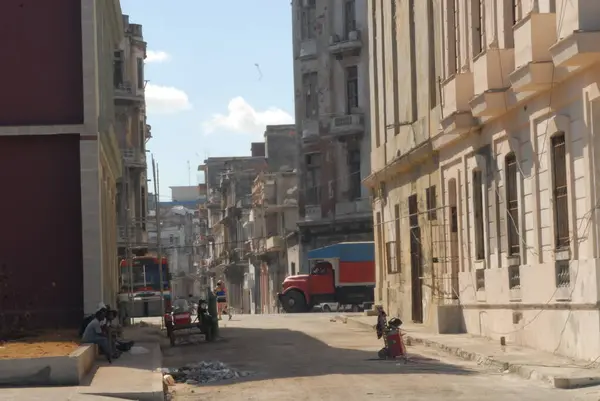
point(342, 273)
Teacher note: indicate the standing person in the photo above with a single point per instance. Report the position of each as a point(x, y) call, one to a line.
point(93, 334)
point(221, 294)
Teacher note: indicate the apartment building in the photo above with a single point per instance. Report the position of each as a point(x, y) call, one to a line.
point(229, 186)
point(57, 143)
point(273, 216)
point(132, 133)
point(517, 164)
point(404, 57)
point(331, 80)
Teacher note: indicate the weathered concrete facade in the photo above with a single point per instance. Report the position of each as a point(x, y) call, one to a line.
point(132, 133)
point(515, 228)
point(331, 81)
point(521, 176)
point(81, 105)
point(404, 178)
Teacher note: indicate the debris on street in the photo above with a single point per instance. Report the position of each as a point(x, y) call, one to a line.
point(205, 372)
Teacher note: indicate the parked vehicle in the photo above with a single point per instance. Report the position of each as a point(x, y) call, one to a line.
point(343, 273)
point(335, 307)
point(179, 321)
point(140, 284)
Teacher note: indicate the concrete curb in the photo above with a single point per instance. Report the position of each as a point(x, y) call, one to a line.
point(152, 391)
point(526, 372)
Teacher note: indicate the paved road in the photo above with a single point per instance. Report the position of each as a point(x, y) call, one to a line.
point(309, 357)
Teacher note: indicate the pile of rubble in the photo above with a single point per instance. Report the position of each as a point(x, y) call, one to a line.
point(205, 372)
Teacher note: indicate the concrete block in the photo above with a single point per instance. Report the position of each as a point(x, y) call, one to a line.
point(48, 371)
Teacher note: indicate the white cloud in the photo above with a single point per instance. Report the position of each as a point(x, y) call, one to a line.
point(243, 118)
point(153, 56)
point(166, 99)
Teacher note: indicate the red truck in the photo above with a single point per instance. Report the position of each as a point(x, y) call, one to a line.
point(342, 273)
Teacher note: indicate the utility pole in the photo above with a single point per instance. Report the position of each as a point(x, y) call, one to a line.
point(128, 261)
point(155, 173)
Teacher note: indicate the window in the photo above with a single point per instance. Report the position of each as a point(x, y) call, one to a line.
point(390, 248)
point(512, 204)
point(433, 50)
point(309, 85)
point(143, 208)
point(354, 168)
point(171, 239)
point(453, 219)
point(351, 88)
point(293, 268)
point(308, 21)
point(413, 211)
point(380, 239)
point(480, 280)
point(478, 214)
point(118, 69)
point(313, 178)
point(561, 205)
point(140, 73)
point(397, 237)
point(431, 200)
point(517, 11)
point(373, 67)
point(455, 43)
point(349, 17)
point(478, 26)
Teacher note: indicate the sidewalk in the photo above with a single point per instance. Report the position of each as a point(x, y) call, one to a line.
point(560, 372)
point(130, 377)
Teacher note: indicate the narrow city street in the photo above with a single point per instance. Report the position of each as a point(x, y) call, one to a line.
point(313, 357)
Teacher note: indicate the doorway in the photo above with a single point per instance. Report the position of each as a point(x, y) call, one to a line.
point(416, 263)
point(454, 256)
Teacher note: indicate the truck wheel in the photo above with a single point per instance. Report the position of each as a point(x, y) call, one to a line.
point(294, 302)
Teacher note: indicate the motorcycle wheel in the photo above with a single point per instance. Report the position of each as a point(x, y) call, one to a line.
point(382, 354)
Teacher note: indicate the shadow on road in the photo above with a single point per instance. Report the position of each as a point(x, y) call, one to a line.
point(282, 353)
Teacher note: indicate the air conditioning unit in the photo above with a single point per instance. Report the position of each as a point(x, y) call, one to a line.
point(333, 39)
point(353, 35)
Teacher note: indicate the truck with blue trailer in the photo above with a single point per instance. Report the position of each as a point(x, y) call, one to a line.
point(342, 273)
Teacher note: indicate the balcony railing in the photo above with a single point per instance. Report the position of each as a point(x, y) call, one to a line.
point(134, 157)
point(359, 206)
point(347, 124)
point(127, 91)
point(275, 243)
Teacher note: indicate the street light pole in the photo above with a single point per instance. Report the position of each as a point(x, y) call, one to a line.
point(155, 174)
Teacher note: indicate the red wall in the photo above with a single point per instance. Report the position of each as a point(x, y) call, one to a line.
point(41, 77)
point(41, 275)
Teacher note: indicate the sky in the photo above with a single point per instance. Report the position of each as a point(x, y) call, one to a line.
point(218, 72)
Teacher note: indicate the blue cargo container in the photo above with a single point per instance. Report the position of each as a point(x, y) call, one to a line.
point(346, 252)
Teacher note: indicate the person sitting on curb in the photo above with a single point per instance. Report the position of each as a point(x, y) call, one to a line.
point(93, 334)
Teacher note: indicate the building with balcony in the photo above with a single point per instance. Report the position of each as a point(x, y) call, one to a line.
point(404, 177)
point(518, 236)
point(274, 215)
point(331, 80)
point(57, 137)
point(225, 219)
point(132, 133)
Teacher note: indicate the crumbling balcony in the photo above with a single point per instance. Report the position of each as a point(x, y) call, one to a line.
point(347, 125)
point(126, 92)
point(533, 37)
point(456, 118)
point(579, 34)
point(350, 45)
point(491, 82)
point(134, 158)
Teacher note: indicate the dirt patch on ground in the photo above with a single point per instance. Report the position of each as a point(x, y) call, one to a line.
point(55, 343)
